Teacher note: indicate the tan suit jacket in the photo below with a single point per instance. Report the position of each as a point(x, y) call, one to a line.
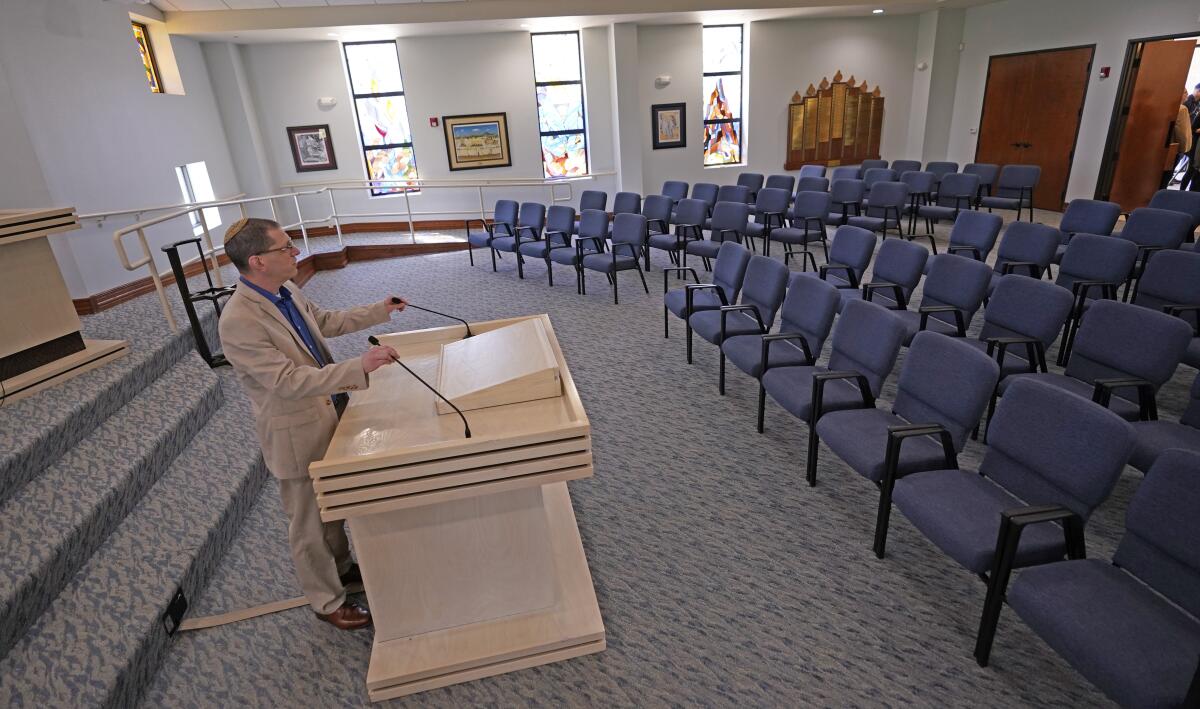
point(294, 415)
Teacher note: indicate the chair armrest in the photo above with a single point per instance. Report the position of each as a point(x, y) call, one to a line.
point(818, 391)
point(737, 235)
point(617, 244)
point(690, 290)
point(679, 269)
point(974, 251)
point(1035, 269)
point(851, 276)
point(599, 241)
point(508, 228)
point(770, 221)
point(483, 223)
point(662, 222)
point(870, 288)
point(533, 233)
point(782, 337)
point(1080, 289)
point(564, 237)
point(1147, 406)
point(1178, 309)
point(927, 310)
point(727, 309)
point(1035, 350)
point(896, 437)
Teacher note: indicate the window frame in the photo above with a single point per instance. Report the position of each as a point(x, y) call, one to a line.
point(362, 143)
point(740, 119)
point(587, 159)
point(150, 53)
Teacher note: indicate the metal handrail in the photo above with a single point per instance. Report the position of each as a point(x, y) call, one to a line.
point(139, 211)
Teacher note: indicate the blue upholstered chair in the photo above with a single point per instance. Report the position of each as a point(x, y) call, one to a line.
point(1131, 627)
point(844, 172)
point(531, 219)
point(848, 258)
point(941, 392)
point(940, 169)
point(592, 239)
point(591, 199)
point(885, 210)
point(954, 290)
point(1171, 284)
point(675, 189)
point(974, 234)
point(1153, 230)
point(1092, 268)
point(874, 175)
point(811, 183)
point(689, 226)
point(1014, 189)
point(1020, 322)
point(753, 182)
point(1052, 458)
point(956, 193)
point(806, 225)
point(1026, 248)
point(1152, 438)
point(781, 182)
point(731, 193)
point(770, 210)
point(728, 222)
point(763, 289)
point(903, 166)
point(811, 171)
point(706, 192)
point(804, 321)
point(1122, 355)
point(987, 173)
point(728, 273)
point(863, 350)
point(921, 187)
point(626, 203)
point(872, 165)
point(1085, 216)
point(1179, 201)
point(504, 218)
point(898, 269)
point(628, 242)
point(560, 220)
point(658, 210)
point(845, 197)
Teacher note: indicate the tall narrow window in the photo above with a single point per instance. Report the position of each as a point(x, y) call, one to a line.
point(194, 186)
point(141, 36)
point(722, 94)
point(558, 78)
point(382, 113)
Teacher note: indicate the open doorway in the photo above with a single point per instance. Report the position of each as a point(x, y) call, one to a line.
point(1145, 150)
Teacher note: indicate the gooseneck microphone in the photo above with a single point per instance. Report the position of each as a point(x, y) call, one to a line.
point(466, 428)
point(397, 301)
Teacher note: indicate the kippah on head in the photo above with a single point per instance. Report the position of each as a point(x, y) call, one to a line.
point(234, 228)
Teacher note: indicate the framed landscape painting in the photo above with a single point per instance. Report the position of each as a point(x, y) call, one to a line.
point(667, 127)
point(312, 148)
point(477, 141)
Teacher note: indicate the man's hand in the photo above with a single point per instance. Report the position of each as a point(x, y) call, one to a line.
point(395, 304)
point(376, 357)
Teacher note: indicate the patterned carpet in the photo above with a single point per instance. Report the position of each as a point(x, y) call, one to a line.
point(722, 578)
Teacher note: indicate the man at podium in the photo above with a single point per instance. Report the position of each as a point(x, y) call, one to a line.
point(275, 339)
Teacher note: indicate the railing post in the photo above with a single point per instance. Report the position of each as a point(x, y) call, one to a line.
point(242, 207)
point(274, 214)
point(412, 232)
point(211, 251)
point(482, 208)
point(300, 217)
point(158, 285)
point(337, 224)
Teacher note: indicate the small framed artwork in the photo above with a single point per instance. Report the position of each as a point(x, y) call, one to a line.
point(477, 141)
point(312, 148)
point(667, 127)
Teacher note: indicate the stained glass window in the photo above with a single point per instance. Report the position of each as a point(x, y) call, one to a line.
point(141, 37)
point(558, 81)
point(379, 103)
point(722, 94)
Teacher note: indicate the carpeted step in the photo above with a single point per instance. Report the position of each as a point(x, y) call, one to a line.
point(101, 641)
point(53, 524)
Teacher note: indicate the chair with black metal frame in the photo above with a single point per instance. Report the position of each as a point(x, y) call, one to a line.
point(625, 203)
point(628, 240)
point(872, 165)
point(1092, 268)
point(898, 268)
point(730, 193)
point(1051, 460)
point(903, 166)
point(811, 171)
point(763, 288)
point(530, 221)
point(753, 182)
point(591, 199)
point(1131, 627)
point(844, 172)
point(1179, 201)
point(885, 210)
point(804, 321)
point(940, 168)
point(706, 192)
point(812, 183)
point(874, 176)
point(728, 222)
point(1152, 230)
point(592, 239)
point(1171, 284)
point(1014, 189)
point(954, 291)
point(560, 220)
point(941, 392)
point(973, 234)
point(863, 351)
point(1085, 216)
point(987, 172)
point(1026, 248)
point(1152, 438)
point(504, 219)
point(921, 187)
point(844, 195)
point(787, 183)
point(806, 225)
point(659, 213)
point(675, 189)
point(849, 256)
point(689, 226)
point(956, 194)
point(729, 272)
point(770, 210)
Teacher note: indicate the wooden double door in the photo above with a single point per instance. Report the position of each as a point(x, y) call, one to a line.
point(1031, 111)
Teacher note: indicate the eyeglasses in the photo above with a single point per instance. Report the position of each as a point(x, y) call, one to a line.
point(286, 248)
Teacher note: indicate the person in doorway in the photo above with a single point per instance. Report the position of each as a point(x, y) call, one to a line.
point(275, 339)
point(1181, 136)
point(1191, 178)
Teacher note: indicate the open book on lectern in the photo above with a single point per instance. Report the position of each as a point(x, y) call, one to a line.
point(507, 365)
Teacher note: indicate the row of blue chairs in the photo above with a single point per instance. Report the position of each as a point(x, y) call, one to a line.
point(1057, 444)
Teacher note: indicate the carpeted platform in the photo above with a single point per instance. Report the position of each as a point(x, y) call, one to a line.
point(723, 579)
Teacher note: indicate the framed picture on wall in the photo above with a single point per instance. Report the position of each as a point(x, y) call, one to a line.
point(667, 127)
point(477, 141)
point(312, 148)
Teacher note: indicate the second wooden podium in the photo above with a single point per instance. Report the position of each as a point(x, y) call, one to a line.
point(470, 554)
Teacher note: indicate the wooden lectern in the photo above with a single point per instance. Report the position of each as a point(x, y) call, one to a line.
point(40, 342)
point(470, 555)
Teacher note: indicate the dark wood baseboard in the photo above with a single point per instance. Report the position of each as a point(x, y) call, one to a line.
point(307, 267)
point(375, 227)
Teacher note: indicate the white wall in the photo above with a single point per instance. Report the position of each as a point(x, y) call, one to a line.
point(1029, 25)
point(103, 141)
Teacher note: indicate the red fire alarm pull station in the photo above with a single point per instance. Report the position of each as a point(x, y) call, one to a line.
point(433, 121)
point(1104, 70)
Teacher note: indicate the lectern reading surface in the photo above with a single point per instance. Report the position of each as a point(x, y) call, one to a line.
point(470, 554)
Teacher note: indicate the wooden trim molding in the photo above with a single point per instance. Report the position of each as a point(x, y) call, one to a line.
point(376, 227)
point(308, 266)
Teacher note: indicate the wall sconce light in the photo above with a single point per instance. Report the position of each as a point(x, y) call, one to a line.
point(662, 82)
point(326, 102)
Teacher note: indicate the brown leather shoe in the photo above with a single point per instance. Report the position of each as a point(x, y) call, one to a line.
point(350, 616)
